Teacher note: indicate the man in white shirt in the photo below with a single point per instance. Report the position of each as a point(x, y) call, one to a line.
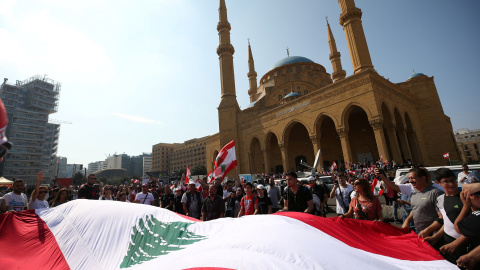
point(341, 191)
point(145, 197)
point(15, 200)
point(466, 177)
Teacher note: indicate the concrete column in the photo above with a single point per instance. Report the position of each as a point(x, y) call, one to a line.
point(266, 161)
point(283, 150)
point(347, 152)
point(377, 126)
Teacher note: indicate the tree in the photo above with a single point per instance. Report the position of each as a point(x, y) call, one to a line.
point(199, 170)
point(78, 179)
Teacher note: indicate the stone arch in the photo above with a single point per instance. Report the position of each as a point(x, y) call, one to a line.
point(361, 137)
point(298, 146)
point(401, 136)
point(348, 109)
point(412, 140)
point(257, 164)
point(274, 161)
point(328, 140)
point(289, 125)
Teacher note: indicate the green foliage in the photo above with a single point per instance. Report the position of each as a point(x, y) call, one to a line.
point(152, 238)
point(78, 179)
point(199, 170)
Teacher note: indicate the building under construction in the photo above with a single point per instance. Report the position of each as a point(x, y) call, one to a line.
point(29, 104)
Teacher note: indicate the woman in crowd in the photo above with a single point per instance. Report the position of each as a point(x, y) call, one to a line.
point(37, 199)
point(122, 197)
point(61, 198)
point(365, 205)
point(238, 198)
point(106, 193)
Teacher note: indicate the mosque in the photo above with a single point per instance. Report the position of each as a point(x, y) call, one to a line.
point(298, 108)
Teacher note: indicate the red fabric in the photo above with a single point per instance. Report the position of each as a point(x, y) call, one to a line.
point(379, 238)
point(248, 204)
point(372, 208)
point(18, 251)
point(3, 115)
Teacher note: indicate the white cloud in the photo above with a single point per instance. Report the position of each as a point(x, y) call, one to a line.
point(137, 119)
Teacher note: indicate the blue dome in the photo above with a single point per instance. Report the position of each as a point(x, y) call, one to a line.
point(416, 75)
point(291, 60)
point(293, 94)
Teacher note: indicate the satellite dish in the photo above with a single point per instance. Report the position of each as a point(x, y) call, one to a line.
point(317, 159)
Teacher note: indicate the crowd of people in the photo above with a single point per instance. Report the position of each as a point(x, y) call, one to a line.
point(441, 213)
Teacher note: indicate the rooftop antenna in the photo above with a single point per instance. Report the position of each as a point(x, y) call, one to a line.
point(288, 52)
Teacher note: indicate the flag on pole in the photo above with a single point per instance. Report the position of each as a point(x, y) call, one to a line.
point(96, 234)
point(446, 155)
point(210, 177)
point(333, 167)
point(226, 160)
point(187, 176)
point(376, 187)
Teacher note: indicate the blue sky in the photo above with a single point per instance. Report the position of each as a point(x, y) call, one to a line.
point(136, 73)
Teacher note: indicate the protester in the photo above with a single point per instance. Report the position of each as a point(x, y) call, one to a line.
point(145, 197)
point(177, 203)
point(229, 199)
point(297, 197)
point(15, 200)
point(192, 201)
point(341, 192)
point(213, 206)
point(61, 198)
point(249, 202)
point(423, 197)
point(167, 199)
point(106, 193)
point(264, 202)
point(238, 199)
point(365, 205)
point(274, 194)
point(321, 191)
point(37, 199)
point(88, 190)
point(122, 197)
point(466, 177)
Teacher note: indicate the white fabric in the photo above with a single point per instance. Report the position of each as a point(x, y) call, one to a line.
point(95, 235)
point(345, 200)
point(15, 202)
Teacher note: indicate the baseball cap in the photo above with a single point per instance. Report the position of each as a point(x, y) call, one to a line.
point(260, 187)
point(311, 178)
point(191, 182)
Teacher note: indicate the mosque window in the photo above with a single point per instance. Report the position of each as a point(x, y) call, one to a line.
point(285, 90)
point(280, 97)
point(298, 87)
point(306, 92)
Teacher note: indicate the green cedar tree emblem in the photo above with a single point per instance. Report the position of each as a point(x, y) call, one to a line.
point(153, 238)
point(223, 167)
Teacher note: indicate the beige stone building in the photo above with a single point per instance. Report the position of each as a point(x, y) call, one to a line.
point(468, 142)
point(297, 108)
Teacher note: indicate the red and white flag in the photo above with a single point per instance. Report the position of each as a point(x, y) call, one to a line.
point(333, 167)
point(376, 187)
point(446, 155)
point(226, 160)
point(187, 176)
point(97, 234)
point(210, 177)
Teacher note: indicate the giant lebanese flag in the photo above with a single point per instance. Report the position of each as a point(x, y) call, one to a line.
point(94, 234)
point(226, 160)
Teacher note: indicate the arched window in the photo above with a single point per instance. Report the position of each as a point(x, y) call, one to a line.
point(306, 92)
point(280, 97)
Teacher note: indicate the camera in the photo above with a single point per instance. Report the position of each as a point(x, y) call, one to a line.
point(336, 182)
point(381, 171)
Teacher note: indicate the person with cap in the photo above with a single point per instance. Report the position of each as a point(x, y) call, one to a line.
point(213, 206)
point(192, 201)
point(87, 190)
point(297, 198)
point(177, 201)
point(264, 202)
point(145, 197)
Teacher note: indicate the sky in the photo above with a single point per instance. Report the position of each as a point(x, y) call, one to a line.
point(137, 73)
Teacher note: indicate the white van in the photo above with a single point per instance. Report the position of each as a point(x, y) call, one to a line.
point(475, 168)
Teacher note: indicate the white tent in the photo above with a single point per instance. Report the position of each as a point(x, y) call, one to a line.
point(5, 182)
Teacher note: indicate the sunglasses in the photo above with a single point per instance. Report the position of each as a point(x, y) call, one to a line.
point(356, 183)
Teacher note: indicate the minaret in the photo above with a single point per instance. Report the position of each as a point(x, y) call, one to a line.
point(338, 72)
point(351, 21)
point(228, 108)
point(252, 75)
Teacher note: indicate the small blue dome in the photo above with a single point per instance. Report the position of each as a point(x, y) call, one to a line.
point(251, 104)
point(293, 94)
point(416, 75)
point(291, 60)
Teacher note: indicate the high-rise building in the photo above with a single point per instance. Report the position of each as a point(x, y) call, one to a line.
point(28, 104)
point(468, 142)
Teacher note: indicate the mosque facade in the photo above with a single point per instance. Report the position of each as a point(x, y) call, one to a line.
point(297, 108)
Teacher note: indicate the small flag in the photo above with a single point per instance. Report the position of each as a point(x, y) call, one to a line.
point(446, 155)
point(333, 167)
point(376, 188)
point(210, 177)
point(187, 176)
point(226, 160)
